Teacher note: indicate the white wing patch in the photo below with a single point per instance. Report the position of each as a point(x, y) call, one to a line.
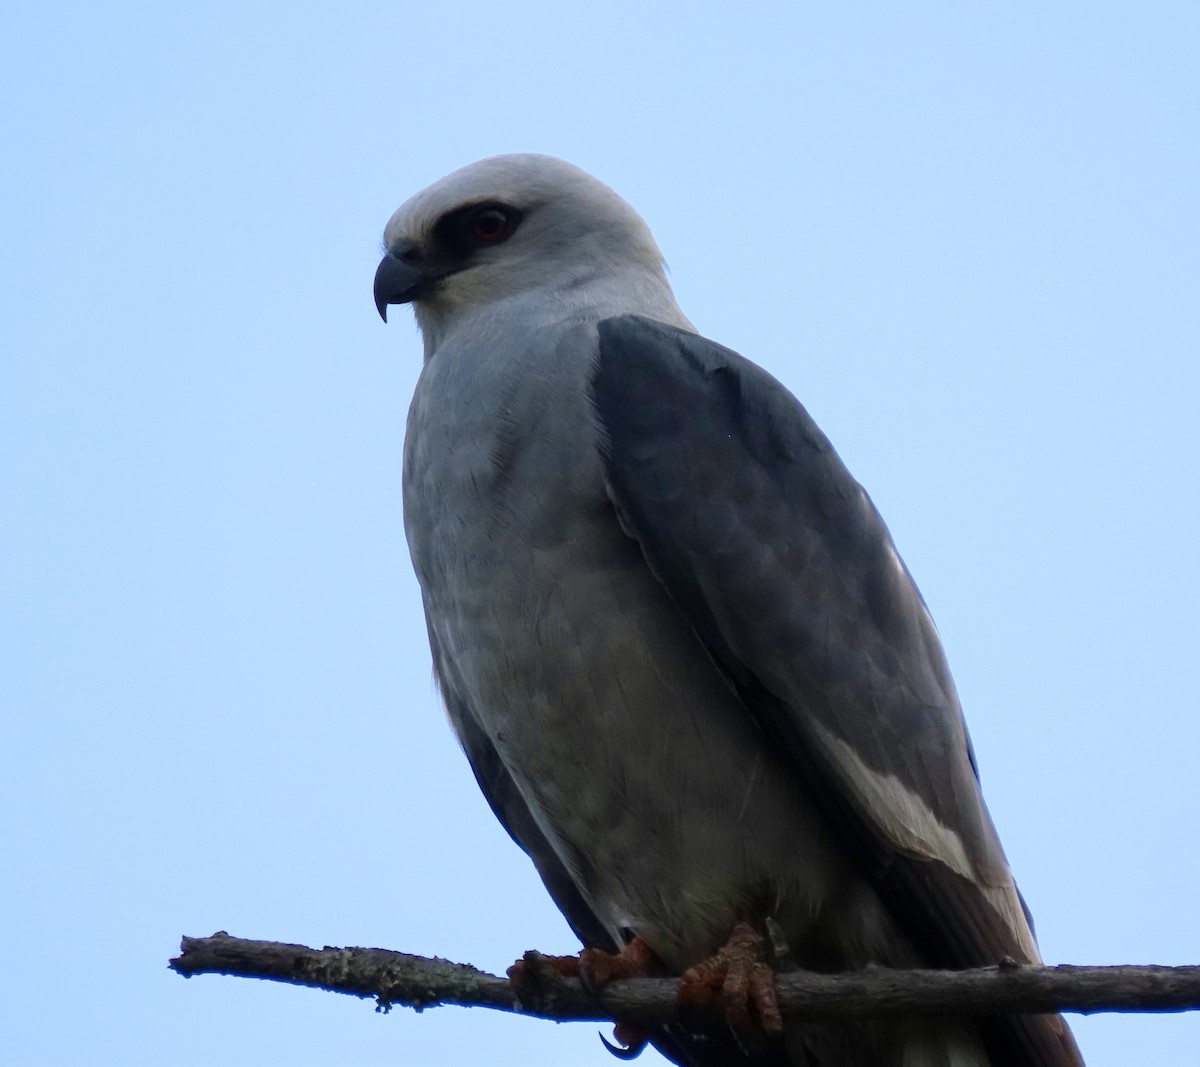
point(903, 814)
point(913, 828)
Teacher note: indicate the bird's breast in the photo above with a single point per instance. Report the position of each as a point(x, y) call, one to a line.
point(634, 754)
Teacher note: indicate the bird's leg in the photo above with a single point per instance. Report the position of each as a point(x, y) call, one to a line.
point(595, 968)
point(740, 973)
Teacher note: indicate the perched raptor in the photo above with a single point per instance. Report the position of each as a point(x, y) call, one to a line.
point(691, 673)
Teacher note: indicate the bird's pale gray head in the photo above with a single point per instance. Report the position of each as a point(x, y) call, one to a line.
point(510, 226)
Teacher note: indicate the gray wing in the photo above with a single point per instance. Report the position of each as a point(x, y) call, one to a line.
point(787, 573)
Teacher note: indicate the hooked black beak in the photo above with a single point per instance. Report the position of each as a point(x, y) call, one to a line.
point(400, 278)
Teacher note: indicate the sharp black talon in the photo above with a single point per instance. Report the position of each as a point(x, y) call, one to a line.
point(625, 1052)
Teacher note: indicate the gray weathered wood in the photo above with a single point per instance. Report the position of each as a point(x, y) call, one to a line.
point(413, 981)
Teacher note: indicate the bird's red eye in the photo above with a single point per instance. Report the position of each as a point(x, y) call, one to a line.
point(490, 226)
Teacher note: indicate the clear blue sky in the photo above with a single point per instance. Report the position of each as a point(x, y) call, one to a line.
point(965, 235)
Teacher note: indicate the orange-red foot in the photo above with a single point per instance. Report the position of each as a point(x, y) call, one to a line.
point(595, 968)
point(635, 960)
point(534, 968)
point(740, 973)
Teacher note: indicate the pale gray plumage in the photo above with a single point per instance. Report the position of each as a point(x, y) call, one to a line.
point(691, 674)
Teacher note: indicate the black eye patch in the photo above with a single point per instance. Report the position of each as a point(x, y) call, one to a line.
point(460, 233)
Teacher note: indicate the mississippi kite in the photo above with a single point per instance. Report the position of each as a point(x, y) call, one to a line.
point(692, 675)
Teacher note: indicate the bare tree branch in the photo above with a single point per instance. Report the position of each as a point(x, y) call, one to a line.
point(416, 982)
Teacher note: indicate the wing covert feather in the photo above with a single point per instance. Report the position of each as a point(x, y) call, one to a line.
point(749, 517)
